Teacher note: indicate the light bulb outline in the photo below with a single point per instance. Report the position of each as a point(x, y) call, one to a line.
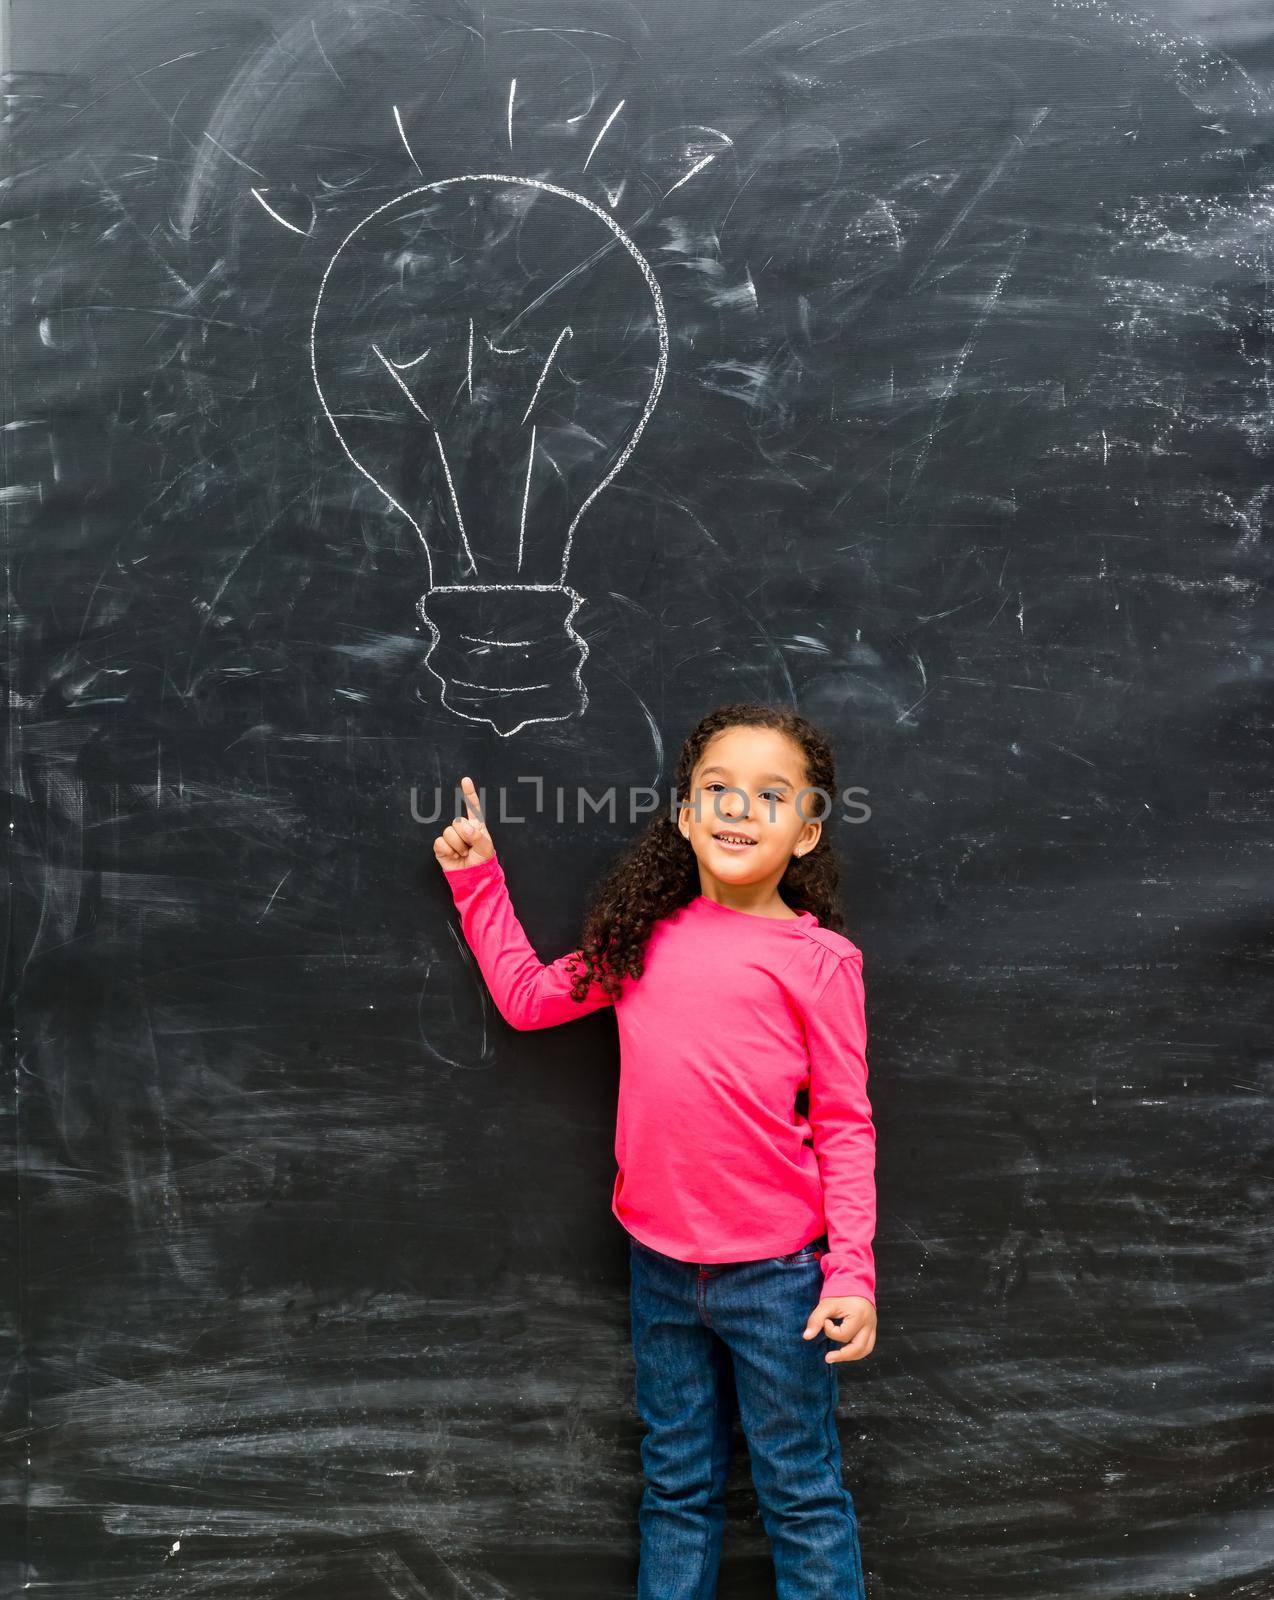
point(661, 366)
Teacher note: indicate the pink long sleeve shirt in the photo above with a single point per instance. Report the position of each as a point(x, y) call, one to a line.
point(732, 1017)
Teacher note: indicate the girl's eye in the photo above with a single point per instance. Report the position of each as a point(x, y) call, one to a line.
point(766, 794)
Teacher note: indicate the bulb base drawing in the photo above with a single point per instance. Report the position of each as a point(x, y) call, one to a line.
point(506, 654)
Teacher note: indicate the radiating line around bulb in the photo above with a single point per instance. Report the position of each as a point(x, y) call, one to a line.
point(402, 134)
point(602, 134)
point(292, 228)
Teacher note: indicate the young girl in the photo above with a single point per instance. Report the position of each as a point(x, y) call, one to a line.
point(750, 1217)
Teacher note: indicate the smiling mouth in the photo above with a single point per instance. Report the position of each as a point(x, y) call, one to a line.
point(733, 838)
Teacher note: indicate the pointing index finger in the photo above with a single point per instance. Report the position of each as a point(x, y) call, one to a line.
point(471, 801)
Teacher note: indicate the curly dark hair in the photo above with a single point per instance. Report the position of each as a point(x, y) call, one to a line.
point(658, 874)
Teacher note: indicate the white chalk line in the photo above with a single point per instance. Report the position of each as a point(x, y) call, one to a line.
point(283, 221)
point(602, 134)
point(491, 691)
point(566, 333)
point(526, 497)
point(661, 365)
point(402, 134)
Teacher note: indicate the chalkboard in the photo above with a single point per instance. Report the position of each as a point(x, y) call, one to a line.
point(394, 391)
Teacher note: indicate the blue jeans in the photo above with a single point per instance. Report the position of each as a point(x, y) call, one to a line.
point(692, 1323)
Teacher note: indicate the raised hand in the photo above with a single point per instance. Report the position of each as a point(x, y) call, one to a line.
point(465, 842)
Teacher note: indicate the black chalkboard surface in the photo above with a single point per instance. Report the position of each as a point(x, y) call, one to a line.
point(401, 390)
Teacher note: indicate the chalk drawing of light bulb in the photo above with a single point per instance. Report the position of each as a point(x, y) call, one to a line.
point(488, 350)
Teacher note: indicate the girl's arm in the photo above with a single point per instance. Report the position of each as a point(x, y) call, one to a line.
point(527, 994)
point(844, 1135)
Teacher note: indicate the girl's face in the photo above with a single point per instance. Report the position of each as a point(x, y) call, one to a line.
point(748, 785)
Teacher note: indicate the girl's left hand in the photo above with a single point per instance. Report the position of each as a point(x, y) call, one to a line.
point(857, 1329)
